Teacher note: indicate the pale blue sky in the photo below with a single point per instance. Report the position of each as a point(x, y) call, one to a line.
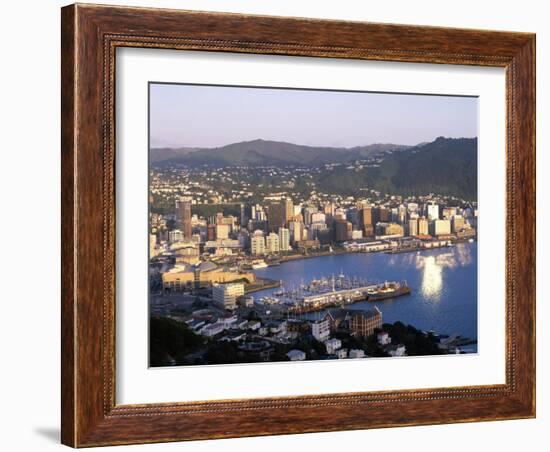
point(211, 116)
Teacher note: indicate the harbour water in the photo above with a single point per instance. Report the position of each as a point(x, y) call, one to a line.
point(443, 283)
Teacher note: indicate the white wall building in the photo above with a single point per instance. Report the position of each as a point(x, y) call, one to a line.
point(320, 329)
point(272, 243)
point(284, 239)
point(332, 345)
point(257, 245)
point(226, 294)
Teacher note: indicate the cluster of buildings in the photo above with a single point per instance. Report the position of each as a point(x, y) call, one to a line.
point(191, 251)
point(279, 226)
point(260, 335)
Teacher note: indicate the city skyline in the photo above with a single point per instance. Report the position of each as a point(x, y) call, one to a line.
point(183, 116)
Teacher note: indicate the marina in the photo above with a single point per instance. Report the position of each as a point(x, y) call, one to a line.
point(442, 283)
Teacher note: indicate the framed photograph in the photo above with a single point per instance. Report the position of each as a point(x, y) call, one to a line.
point(281, 225)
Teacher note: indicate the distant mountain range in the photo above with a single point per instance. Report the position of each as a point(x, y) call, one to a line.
point(264, 152)
point(445, 166)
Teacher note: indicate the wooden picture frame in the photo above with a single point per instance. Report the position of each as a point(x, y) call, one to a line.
point(90, 36)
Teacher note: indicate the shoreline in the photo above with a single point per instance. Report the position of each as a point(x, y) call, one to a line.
point(339, 252)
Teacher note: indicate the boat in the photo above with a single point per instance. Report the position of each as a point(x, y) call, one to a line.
point(258, 265)
point(388, 290)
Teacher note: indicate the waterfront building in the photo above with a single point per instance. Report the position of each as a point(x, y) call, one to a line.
point(441, 227)
point(284, 239)
point(296, 355)
point(423, 226)
point(204, 274)
point(413, 227)
point(343, 230)
point(295, 229)
point(366, 221)
point(401, 214)
point(367, 246)
point(356, 234)
point(257, 244)
point(226, 295)
point(457, 223)
point(272, 243)
point(432, 211)
point(183, 216)
point(332, 345)
point(305, 245)
point(394, 229)
point(320, 329)
point(363, 323)
point(383, 215)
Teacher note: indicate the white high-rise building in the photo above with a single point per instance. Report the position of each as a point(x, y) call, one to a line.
point(433, 212)
point(272, 243)
point(257, 244)
point(413, 226)
point(284, 239)
point(320, 329)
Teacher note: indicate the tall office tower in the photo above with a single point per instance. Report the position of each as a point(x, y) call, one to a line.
point(295, 229)
point(260, 215)
point(272, 243)
point(308, 213)
point(318, 217)
point(211, 232)
point(275, 216)
point(423, 226)
point(433, 211)
point(449, 212)
point(284, 239)
point(458, 223)
point(289, 209)
point(246, 214)
point(401, 214)
point(413, 226)
point(328, 209)
point(343, 230)
point(412, 207)
point(352, 216)
point(365, 221)
point(383, 215)
point(183, 216)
